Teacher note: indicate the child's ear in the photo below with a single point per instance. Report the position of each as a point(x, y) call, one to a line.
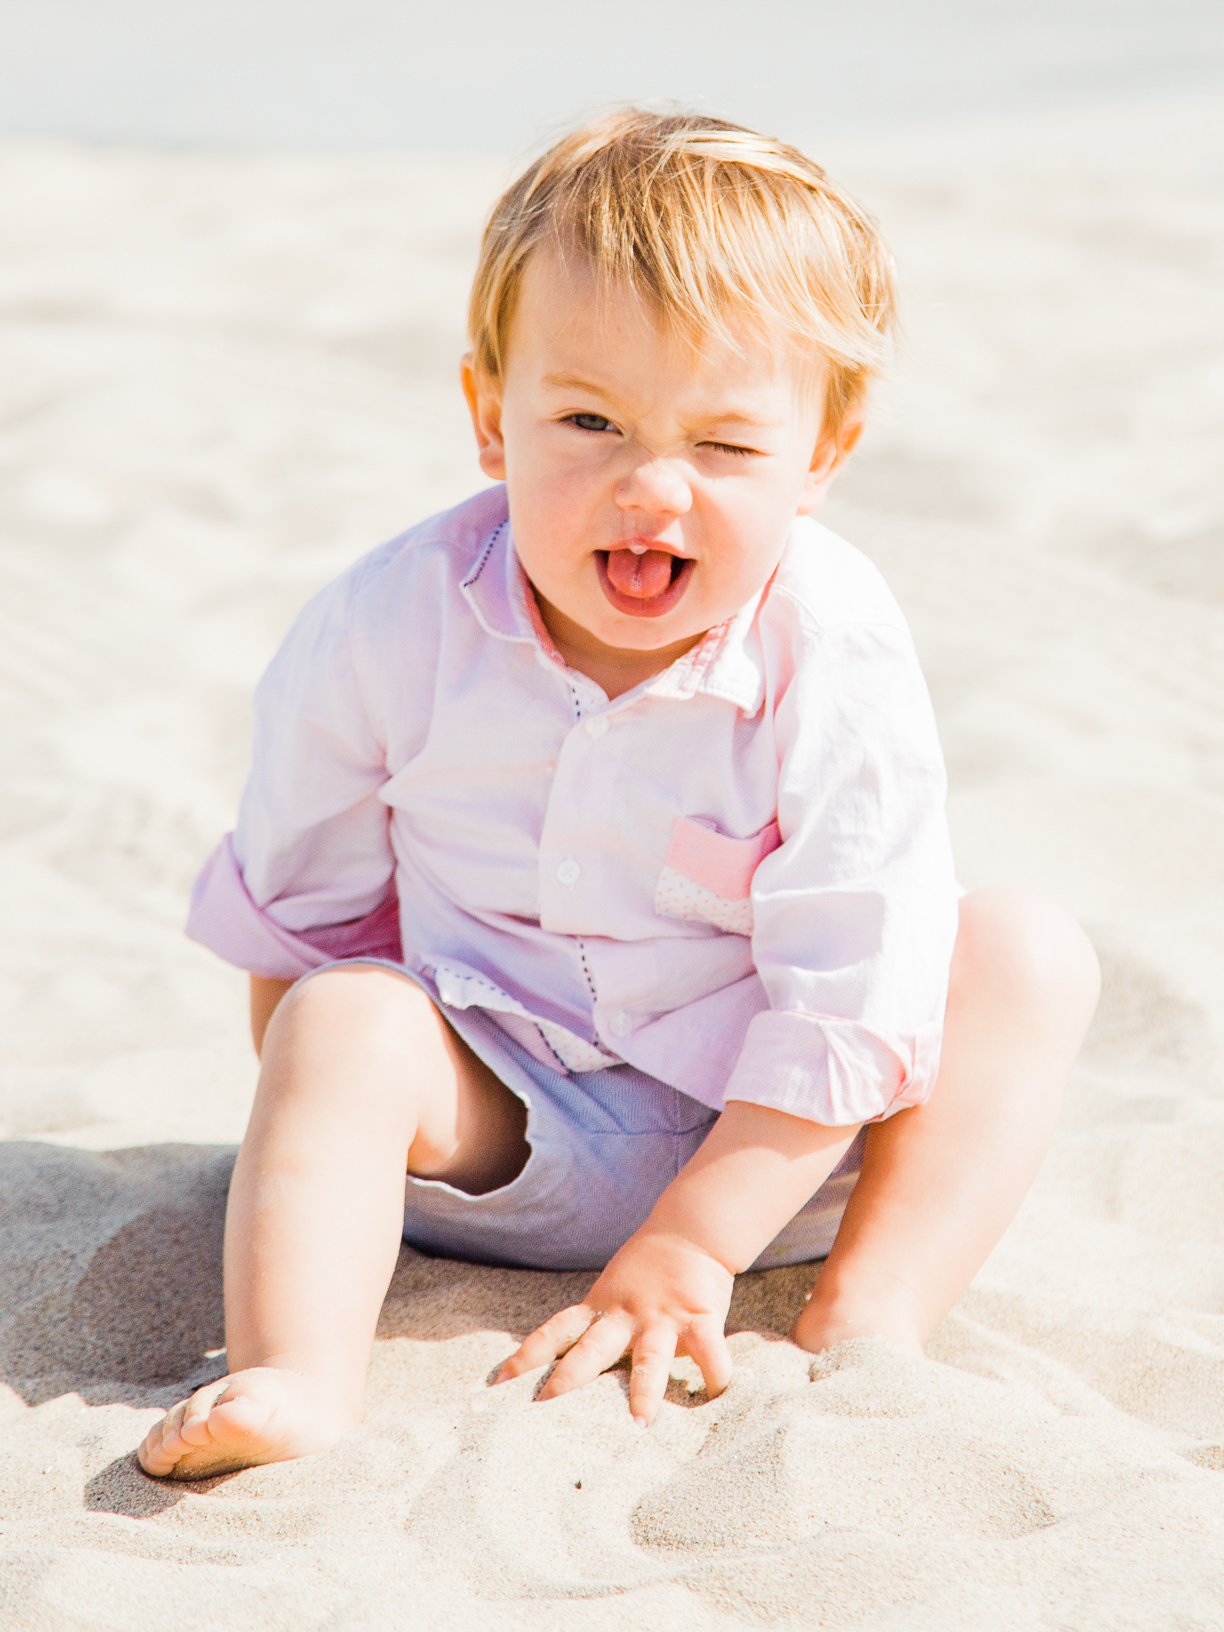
point(831, 453)
point(484, 404)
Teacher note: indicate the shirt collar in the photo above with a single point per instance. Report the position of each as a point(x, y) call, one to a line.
point(725, 663)
point(495, 588)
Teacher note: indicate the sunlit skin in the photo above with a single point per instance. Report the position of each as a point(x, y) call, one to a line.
point(622, 450)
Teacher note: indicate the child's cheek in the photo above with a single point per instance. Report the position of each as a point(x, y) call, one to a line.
point(564, 503)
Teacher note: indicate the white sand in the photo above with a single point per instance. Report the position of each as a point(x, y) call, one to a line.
point(222, 379)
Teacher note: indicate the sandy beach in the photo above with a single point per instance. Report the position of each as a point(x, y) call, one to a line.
point(224, 377)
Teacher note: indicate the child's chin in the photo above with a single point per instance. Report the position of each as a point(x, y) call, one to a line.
point(630, 634)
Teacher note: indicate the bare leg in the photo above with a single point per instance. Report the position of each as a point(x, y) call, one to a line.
point(941, 1182)
point(362, 1080)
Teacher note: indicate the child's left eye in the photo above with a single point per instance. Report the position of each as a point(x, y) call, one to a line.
point(730, 447)
point(590, 422)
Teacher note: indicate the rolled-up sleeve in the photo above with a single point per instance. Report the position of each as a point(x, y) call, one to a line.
point(855, 913)
point(308, 874)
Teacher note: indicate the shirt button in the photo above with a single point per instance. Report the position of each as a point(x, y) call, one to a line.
point(569, 872)
point(596, 727)
point(619, 1025)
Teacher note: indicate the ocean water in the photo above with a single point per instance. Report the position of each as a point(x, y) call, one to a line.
point(484, 76)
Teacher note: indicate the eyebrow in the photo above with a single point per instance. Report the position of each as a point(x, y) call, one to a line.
point(576, 382)
point(749, 421)
point(730, 416)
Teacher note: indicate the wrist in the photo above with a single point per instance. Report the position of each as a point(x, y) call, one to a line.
point(672, 1226)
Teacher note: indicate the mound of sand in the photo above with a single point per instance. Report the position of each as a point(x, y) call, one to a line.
point(223, 378)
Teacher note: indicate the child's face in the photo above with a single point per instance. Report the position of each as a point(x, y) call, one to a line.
point(650, 490)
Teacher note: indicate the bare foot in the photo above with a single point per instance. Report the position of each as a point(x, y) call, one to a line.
point(255, 1416)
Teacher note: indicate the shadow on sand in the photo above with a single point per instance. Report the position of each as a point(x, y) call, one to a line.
point(110, 1266)
point(111, 1287)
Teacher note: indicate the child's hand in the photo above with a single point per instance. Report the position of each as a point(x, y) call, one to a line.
point(660, 1296)
point(665, 1293)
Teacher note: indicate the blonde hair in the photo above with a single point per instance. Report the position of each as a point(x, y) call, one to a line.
point(716, 227)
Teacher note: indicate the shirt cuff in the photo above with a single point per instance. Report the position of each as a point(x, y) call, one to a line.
point(225, 918)
point(836, 1072)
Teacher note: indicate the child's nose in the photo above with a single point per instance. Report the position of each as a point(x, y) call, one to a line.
point(657, 486)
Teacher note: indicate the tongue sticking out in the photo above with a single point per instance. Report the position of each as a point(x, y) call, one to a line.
point(642, 576)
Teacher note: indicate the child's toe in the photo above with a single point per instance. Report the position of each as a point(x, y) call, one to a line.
point(196, 1430)
point(242, 1418)
point(156, 1454)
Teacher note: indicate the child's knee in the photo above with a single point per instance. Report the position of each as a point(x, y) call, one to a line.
point(379, 1001)
point(1029, 949)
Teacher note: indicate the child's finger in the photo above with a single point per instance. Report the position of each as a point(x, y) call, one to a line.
point(548, 1341)
point(653, 1354)
point(706, 1343)
point(601, 1346)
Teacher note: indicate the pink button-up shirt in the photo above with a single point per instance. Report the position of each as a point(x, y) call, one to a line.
point(736, 876)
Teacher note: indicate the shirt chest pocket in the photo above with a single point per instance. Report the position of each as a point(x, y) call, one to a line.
point(708, 874)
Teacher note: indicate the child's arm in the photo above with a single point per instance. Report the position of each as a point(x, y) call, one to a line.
point(668, 1289)
point(308, 877)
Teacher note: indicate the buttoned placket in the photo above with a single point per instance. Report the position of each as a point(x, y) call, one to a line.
point(588, 731)
point(588, 728)
point(593, 716)
point(675, 685)
point(584, 694)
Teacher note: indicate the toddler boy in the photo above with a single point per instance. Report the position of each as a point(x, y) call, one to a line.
point(592, 872)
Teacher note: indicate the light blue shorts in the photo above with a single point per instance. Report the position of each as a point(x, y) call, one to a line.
point(604, 1145)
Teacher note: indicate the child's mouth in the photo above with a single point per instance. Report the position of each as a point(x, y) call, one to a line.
point(643, 585)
